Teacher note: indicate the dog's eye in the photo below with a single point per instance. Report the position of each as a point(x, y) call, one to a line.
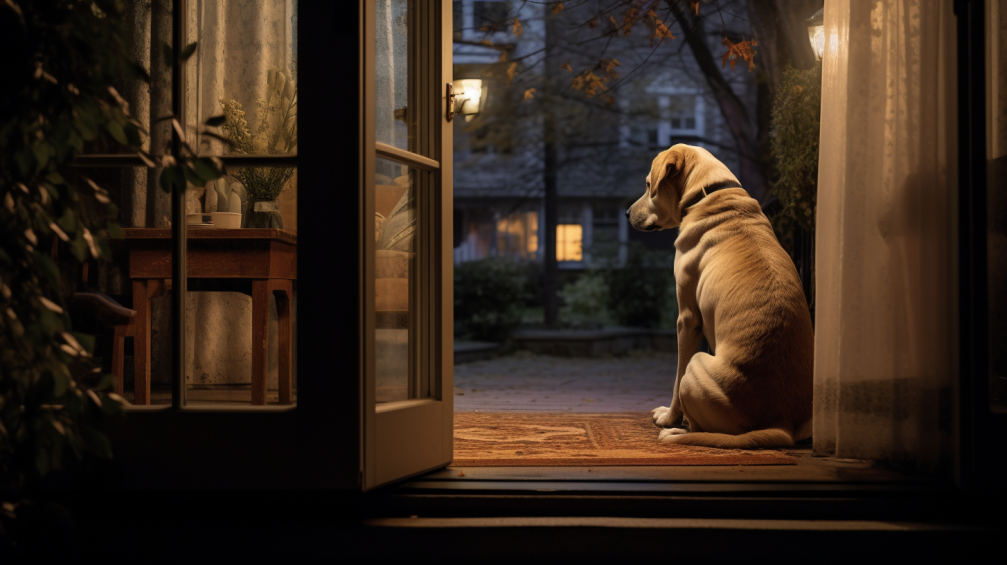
point(648, 184)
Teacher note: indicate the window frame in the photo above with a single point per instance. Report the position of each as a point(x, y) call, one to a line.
point(270, 447)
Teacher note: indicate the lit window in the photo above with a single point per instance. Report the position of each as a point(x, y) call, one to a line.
point(517, 235)
point(568, 242)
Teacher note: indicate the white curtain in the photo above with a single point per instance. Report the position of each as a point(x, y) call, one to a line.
point(886, 340)
point(239, 41)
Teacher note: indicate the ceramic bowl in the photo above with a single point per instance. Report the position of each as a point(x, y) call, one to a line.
point(226, 220)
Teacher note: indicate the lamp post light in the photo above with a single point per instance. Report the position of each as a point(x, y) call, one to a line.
point(816, 33)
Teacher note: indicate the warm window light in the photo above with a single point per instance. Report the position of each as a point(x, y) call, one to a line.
point(468, 98)
point(518, 234)
point(816, 33)
point(568, 242)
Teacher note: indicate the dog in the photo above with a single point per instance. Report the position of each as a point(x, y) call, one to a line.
point(737, 287)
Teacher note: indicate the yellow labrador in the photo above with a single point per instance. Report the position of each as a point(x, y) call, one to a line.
point(740, 289)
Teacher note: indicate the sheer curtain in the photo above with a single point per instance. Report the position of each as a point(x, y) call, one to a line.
point(886, 339)
point(239, 41)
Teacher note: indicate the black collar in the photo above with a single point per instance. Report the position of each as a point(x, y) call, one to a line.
point(706, 191)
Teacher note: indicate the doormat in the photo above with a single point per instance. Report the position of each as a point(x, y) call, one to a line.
point(526, 439)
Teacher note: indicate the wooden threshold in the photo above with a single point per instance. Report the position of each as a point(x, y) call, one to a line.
point(809, 471)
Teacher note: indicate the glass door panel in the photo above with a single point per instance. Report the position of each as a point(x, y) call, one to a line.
point(407, 207)
point(398, 283)
point(393, 123)
point(242, 228)
point(124, 305)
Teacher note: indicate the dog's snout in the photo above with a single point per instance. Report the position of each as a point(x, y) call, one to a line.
point(627, 213)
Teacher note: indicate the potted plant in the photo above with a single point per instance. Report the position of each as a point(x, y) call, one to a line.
point(275, 134)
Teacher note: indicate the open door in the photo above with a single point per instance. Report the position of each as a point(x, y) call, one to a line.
point(407, 354)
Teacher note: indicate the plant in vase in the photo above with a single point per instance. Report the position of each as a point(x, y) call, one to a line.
point(275, 134)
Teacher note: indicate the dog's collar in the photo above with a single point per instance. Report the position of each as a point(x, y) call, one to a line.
point(706, 190)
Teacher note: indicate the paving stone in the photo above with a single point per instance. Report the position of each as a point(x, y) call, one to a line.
point(528, 382)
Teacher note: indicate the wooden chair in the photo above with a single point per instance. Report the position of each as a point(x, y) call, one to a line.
point(108, 312)
point(105, 311)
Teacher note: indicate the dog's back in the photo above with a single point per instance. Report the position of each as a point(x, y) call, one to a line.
point(726, 238)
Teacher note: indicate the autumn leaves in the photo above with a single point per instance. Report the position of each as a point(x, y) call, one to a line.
point(741, 50)
point(599, 79)
point(590, 83)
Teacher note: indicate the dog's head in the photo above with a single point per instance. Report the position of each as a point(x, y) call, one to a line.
point(676, 176)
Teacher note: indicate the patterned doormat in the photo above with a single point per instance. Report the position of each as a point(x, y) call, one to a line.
point(520, 439)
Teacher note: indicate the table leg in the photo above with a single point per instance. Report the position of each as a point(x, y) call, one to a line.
point(260, 340)
point(141, 343)
point(283, 290)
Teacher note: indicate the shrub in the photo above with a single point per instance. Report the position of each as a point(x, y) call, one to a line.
point(490, 295)
point(60, 59)
point(796, 123)
point(638, 292)
point(57, 66)
point(585, 301)
point(796, 128)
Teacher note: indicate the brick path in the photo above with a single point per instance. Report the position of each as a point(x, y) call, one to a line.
point(526, 382)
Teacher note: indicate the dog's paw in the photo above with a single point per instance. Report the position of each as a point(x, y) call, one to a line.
point(671, 432)
point(661, 416)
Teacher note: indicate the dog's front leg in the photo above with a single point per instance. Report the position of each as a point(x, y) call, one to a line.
point(690, 334)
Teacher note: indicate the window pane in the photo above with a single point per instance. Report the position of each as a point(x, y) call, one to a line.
point(245, 68)
point(145, 24)
point(241, 305)
point(399, 283)
point(517, 235)
point(568, 242)
point(393, 75)
point(125, 306)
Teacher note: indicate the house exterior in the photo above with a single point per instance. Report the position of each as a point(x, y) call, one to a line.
point(602, 161)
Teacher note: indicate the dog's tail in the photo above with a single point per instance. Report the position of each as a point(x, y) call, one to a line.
point(771, 437)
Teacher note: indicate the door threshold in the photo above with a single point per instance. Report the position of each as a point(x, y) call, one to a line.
point(807, 469)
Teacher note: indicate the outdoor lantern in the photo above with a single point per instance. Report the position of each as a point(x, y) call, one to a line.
point(816, 33)
point(465, 98)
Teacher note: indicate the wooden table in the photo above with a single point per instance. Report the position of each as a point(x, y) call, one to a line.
point(266, 257)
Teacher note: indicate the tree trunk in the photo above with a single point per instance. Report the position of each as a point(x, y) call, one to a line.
point(752, 174)
point(550, 275)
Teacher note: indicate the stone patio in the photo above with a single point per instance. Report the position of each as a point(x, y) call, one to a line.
point(527, 382)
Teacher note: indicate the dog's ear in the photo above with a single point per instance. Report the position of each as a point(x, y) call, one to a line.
point(666, 166)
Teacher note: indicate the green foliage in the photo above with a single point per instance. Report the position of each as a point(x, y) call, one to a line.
point(638, 293)
point(59, 58)
point(796, 124)
point(585, 301)
point(275, 133)
point(490, 295)
point(796, 130)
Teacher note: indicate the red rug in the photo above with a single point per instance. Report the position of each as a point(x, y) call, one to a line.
point(520, 439)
